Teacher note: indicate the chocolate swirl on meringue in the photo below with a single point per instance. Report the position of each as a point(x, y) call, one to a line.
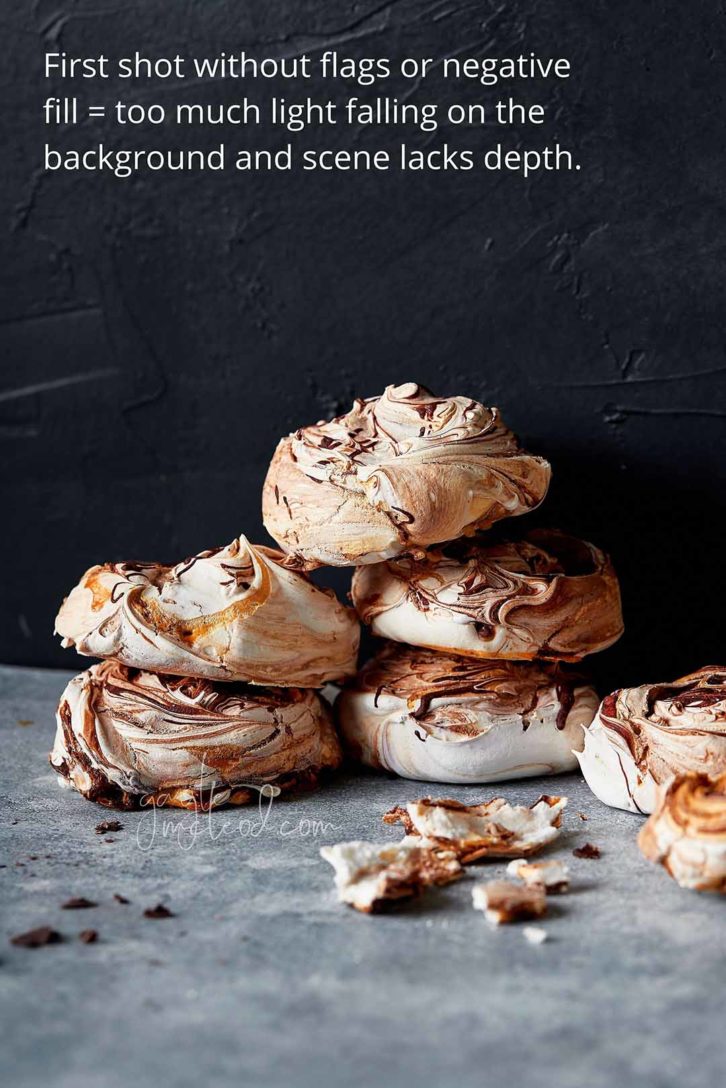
point(127, 738)
point(397, 473)
point(546, 595)
point(433, 717)
point(641, 737)
point(236, 613)
point(687, 832)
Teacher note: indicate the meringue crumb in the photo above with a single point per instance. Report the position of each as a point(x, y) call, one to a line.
point(535, 934)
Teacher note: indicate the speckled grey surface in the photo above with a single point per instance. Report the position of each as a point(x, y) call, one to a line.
point(262, 978)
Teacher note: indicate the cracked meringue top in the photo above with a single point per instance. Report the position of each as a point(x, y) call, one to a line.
point(234, 613)
point(641, 737)
point(126, 738)
point(687, 832)
point(396, 474)
point(438, 718)
point(547, 596)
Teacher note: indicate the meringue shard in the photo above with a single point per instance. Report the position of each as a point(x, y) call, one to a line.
point(686, 833)
point(437, 718)
point(231, 614)
point(503, 902)
point(397, 473)
point(641, 737)
point(127, 738)
point(369, 875)
point(547, 596)
point(492, 829)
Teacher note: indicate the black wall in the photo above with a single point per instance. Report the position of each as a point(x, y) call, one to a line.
point(158, 335)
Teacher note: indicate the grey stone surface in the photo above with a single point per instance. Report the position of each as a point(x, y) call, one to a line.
point(262, 978)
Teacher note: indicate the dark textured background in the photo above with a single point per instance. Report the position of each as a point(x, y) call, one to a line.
point(158, 334)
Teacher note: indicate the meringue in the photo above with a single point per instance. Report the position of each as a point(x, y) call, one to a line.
point(234, 613)
point(127, 738)
point(503, 902)
point(641, 737)
point(492, 829)
point(553, 876)
point(437, 718)
point(547, 596)
point(398, 473)
point(367, 874)
point(686, 833)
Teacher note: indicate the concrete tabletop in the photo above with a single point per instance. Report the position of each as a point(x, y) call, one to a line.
point(261, 977)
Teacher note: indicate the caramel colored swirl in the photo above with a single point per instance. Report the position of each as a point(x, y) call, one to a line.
point(234, 613)
point(546, 596)
point(433, 717)
point(641, 737)
point(687, 832)
point(127, 738)
point(397, 473)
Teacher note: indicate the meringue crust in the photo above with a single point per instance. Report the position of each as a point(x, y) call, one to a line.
point(642, 737)
point(233, 614)
point(398, 473)
point(686, 833)
point(127, 738)
point(546, 596)
point(433, 717)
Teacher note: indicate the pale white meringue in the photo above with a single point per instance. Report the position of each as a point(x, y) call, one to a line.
point(234, 613)
point(552, 875)
point(437, 718)
point(641, 737)
point(127, 738)
point(547, 596)
point(397, 473)
point(368, 874)
point(493, 828)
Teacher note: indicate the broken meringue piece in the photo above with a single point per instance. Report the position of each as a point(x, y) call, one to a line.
point(547, 596)
point(397, 473)
point(127, 738)
point(535, 934)
point(553, 876)
point(439, 718)
point(641, 737)
point(686, 833)
point(234, 613)
point(503, 902)
point(369, 875)
point(492, 829)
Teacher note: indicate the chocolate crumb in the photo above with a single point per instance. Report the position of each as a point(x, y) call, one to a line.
point(88, 936)
point(108, 825)
point(36, 938)
point(589, 850)
point(109, 840)
point(159, 911)
point(582, 816)
point(120, 898)
point(79, 903)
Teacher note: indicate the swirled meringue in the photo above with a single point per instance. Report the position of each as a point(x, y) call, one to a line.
point(686, 833)
point(546, 596)
point(234, 613)
point(437, 718)
point(641, 737)
point(397, 473)
point(127, 738)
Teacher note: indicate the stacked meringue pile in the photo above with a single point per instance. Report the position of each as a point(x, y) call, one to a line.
point(180, 713)
point(470, 686)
